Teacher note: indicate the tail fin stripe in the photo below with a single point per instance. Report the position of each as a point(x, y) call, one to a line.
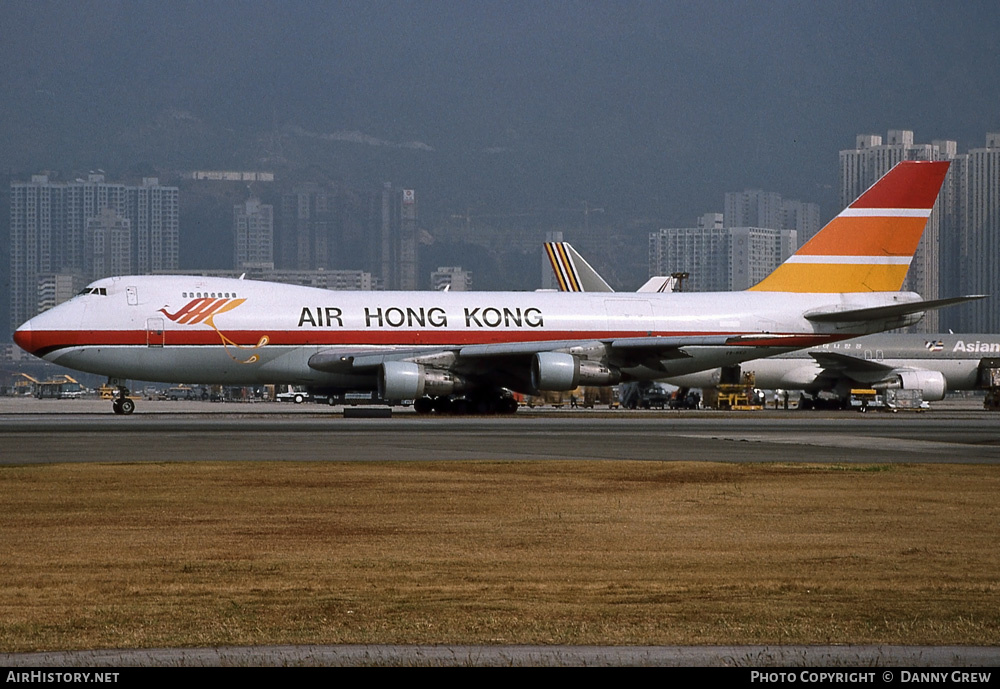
point(869, 246)
point(556, 268)
point(885, 213)
point(853, 260)
point(567, 262)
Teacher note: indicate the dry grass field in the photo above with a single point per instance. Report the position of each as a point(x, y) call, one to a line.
point(203, 554)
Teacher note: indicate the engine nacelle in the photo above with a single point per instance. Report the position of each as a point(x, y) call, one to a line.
point(932, 383)
point(560, 372)
point(405, 380)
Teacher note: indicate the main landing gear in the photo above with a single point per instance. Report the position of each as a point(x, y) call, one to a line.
point(481, 404)
point(121, 403)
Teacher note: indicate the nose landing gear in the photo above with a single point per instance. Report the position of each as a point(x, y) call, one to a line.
point(121, 403)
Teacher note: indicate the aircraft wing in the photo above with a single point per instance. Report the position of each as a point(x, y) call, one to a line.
point(834, 362)
point(835, 366)
point(340, 360)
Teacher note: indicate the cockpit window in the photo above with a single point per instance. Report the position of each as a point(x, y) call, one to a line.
point(102, 291)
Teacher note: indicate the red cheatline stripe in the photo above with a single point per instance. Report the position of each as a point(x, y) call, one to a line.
point(50, 340)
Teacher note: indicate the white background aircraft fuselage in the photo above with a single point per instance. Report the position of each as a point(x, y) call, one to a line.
point(879, 357)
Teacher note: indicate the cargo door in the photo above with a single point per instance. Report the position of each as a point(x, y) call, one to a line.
point(155, 335)
point(630, 317)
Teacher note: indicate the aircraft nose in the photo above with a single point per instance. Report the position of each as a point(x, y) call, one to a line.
point(23, 339)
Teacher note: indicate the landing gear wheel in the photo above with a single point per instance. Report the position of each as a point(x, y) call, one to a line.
point(485, 406)
point(121, 404)
point(424, 405)
point(508, 405)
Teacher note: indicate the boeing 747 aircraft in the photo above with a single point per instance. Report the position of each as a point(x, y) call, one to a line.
point(460, 351)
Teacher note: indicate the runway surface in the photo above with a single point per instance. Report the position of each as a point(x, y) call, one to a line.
point(84, 431)
point(37, 432)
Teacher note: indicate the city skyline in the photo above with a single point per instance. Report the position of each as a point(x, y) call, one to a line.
point(392, 231)
point(619, 116)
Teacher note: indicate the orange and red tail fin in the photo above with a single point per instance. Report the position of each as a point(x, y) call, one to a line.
point(869, 246)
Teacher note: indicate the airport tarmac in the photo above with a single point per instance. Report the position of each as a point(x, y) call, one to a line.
point(46, 431)
point(51, 431)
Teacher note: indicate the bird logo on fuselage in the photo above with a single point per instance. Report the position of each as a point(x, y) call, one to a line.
point(204, 310)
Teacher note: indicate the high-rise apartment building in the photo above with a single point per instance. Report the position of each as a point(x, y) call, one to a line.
point(253, 234)
point(753, 208)
point(452, 278)
point(702, 252)
point(55, 288)
point(154, 213)
point(107, 243)
point(754, 253)
point(720, 257)
point(980, 242)
point(327, 227)
point(869, 160)
point(756, 208)
point(399, 238)
point(308, 219)
point(56, 228)
point(960, 250)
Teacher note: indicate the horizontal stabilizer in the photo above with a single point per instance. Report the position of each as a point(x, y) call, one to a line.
point(877, 313)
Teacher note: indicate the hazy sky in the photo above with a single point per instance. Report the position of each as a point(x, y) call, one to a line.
point(649, 108)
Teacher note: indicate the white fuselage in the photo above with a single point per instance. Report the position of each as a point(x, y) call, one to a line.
point(956, 357)
point(216, 330)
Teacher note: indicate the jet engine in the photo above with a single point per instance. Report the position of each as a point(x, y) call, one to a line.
point(560, 372)
point(932, 383)
point(405, 380)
